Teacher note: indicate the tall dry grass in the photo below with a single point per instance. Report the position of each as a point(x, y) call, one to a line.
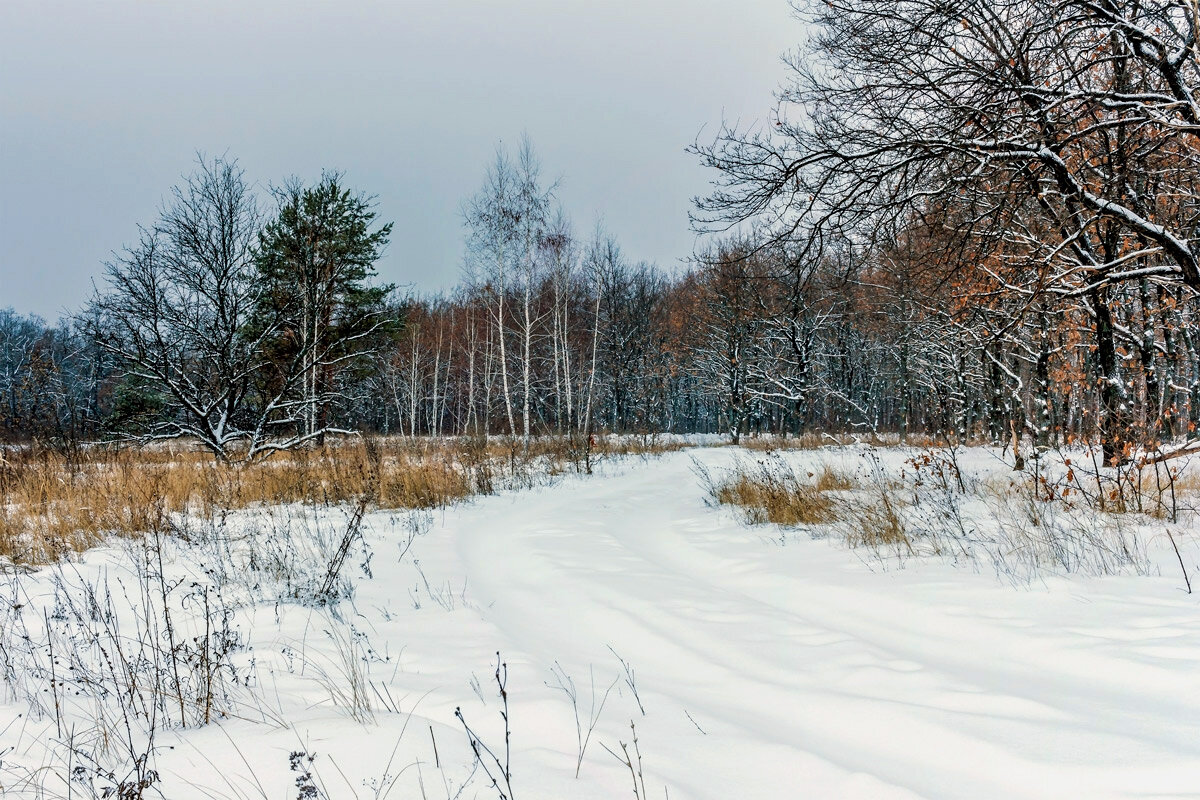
point(53, 504)
point(771, 490)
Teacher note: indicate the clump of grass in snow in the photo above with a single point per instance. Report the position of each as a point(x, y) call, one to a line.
point(876, 521)
point(833, 480)
point(777, 502)
point(773, 490)
point(770, 490)
point(1024, 525)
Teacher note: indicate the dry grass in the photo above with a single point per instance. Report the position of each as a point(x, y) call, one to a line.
point(777, 503)
point(771, 491)
point(769, 442)
point(1187, 482)
point(876, 522)
point(1163, 492)
point(634, 445)
point(834, 480)
point(52, 505)
point(1022, 523)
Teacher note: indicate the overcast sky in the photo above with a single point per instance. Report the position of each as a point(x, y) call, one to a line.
point(103, 104)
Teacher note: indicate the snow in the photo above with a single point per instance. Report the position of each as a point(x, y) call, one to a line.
point(770, 664)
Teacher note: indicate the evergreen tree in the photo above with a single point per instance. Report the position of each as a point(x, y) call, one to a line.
point(316, 260)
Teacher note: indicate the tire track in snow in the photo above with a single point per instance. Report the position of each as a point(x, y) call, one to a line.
point(871, 677)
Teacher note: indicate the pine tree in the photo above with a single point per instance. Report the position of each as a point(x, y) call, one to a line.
point(316, 259)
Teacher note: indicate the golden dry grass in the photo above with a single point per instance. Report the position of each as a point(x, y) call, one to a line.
point(51, 504)
point(769, 442)
point(777, 503)
point(834, 480)
point(1160, 493)
point(875, 521)
point(770, 491)
point(1186, 482)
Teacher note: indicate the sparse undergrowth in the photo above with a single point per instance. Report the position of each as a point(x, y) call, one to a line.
point(1021, 523)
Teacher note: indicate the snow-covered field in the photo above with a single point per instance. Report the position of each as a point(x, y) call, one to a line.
point(766, 665)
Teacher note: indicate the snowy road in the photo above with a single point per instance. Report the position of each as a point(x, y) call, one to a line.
point(768, 667)
point(813, 674)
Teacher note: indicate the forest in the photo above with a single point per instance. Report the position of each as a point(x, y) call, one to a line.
point(967, 221)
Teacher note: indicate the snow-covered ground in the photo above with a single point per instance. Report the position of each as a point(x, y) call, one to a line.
point(767, 665)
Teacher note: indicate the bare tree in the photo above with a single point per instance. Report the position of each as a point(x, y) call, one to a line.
point(1057, 136)
point(177, 314)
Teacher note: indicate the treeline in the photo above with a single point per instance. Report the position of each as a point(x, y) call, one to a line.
point(253, 331)
point(55, 385)
point(973, 219)
point(574, 337)
point(553, 333)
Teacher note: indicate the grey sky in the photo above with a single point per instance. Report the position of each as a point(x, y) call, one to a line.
point(103, 104)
